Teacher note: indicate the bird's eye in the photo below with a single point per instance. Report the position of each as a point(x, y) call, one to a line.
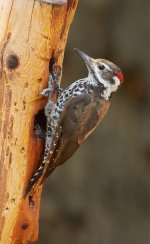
point(101, 67)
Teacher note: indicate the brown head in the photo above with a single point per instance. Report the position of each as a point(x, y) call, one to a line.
point(104, 72)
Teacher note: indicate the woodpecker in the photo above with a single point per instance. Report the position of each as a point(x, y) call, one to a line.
point(76, 113)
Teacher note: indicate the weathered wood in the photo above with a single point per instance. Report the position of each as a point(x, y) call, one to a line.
point(31, 33)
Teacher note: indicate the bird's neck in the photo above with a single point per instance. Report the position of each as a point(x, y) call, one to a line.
point(99, 86)
point(105, 88)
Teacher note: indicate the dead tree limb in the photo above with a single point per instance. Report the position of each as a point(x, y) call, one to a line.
point(31, 33)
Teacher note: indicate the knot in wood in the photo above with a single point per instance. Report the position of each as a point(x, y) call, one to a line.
point(12, 61)
point(24, 226)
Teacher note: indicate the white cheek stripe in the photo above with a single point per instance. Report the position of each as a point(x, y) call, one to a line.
point(110, 88)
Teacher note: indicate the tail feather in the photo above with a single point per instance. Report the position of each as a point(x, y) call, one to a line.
point(34, 179)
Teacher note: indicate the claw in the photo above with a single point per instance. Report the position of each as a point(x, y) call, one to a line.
point(61, 90)
point(46, 92)
point(55, 73)
point(56, 88)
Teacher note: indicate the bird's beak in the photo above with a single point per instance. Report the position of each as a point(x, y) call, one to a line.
point(87, 59)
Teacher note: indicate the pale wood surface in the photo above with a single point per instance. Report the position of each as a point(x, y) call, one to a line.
point(30, 34)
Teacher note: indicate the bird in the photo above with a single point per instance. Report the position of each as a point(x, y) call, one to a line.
point(76, 113)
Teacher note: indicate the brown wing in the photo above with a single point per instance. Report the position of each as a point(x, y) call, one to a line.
point(80, 117)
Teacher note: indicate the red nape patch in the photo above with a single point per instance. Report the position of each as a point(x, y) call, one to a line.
point(120, 76)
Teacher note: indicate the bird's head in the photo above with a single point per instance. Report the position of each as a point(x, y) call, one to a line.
point(104, 72)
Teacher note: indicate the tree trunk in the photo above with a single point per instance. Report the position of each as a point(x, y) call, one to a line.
point(31, 33)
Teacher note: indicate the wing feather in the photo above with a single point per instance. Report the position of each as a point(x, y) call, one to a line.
point(79, 118)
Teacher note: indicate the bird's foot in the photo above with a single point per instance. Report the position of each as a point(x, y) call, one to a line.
point(55, 74)
point(53, 82)
point(46, 92)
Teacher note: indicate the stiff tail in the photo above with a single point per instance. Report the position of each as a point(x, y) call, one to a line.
point(55, 74)
point(35, 178)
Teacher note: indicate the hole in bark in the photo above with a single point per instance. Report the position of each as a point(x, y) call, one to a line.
point(40, 124)
point(24, 226)
point(13, 200)
point(22, 150)
point(12, 61)
point(31, 201)
point(39, 80)
point(51, 63)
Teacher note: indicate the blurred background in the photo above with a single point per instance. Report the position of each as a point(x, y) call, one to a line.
point(102, 194)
